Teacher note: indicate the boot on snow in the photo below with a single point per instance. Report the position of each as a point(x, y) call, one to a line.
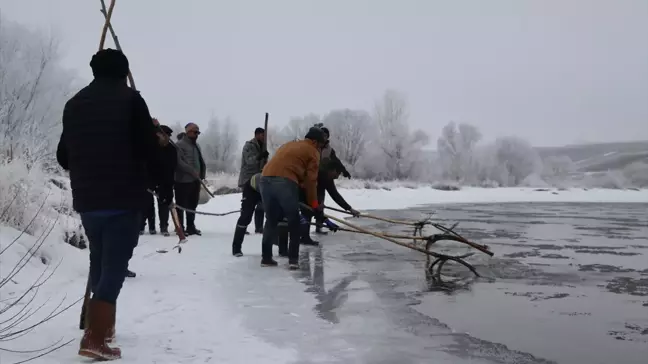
point(269, 262)
point(130, 273)
point(164, 231)
point(237, 243)
point(305, 238)
point(152, 231)
point(193, 231)
point(293, 264)
point(101, 317)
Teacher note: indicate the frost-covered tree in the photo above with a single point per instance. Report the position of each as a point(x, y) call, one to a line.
point(517, 158)
point(400, 147)
point(557, 167)
point(456, 148)
point(350, 131)
point(33, 90)
point(220, 145)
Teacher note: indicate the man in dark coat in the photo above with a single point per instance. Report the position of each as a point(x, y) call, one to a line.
point(165, 190)
point(191, 170)
point(253, 158)
point(328, 153)
point(108, 145)
point(329, 171)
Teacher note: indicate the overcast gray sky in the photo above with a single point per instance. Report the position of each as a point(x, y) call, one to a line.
point(551, 71)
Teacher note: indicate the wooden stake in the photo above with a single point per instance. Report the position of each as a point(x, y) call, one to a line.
point(106, 23)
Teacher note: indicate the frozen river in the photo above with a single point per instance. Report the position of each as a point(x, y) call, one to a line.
point(568, 284)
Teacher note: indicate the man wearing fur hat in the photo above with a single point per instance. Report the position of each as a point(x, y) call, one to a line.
point(109, 146)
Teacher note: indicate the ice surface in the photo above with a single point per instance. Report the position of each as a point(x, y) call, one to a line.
point(205, 306)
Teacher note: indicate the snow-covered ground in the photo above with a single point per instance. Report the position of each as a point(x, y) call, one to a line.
point(195, 307)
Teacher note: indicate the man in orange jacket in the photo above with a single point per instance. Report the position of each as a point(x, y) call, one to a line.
point(295, 163)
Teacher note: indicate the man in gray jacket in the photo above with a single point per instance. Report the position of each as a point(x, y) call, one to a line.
point(190, 172)
point(253, 158)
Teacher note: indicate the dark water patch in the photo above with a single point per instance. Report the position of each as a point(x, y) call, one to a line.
point(554, 256)
point(527, 254)
point(630, 286)
point(608, 252)
point(604, 268)
point(537, 296)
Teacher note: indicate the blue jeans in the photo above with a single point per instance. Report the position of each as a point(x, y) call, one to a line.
point(280, 200)
point(113, 236)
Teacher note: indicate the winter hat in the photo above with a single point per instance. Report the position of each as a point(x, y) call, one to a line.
point(315, 134)
point(109, 63)
point(166, 130)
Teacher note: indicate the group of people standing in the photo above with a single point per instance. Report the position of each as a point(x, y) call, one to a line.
point(291, 188)
point(117, 154)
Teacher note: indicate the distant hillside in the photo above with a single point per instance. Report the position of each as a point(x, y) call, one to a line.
point(601, 156)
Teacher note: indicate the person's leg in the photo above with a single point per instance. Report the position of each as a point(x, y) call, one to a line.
point(151, 215)
point(321, 196)
point(248, 203)
point(273, 214)
point(193, 197)
point(282, 238)
point(289, 202)
point(119, 235)
point(305, 237)
point(258, 218)
point(93, 226)
point(181, 200)
point(163, 216)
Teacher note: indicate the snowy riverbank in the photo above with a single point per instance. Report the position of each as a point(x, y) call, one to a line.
point(189, 307)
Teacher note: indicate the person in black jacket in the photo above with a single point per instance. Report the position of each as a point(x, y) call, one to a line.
point(169, 163)
point(110, 149)
point(328, 154)
point(328, 173)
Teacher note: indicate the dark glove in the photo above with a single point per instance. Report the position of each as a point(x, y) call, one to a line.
point(354, 213)
point(263, 155)
point(346, 174)
point(331, 226)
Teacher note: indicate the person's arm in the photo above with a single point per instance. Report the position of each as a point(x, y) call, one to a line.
point(146, 140)
point(335, 195)
point(61, 154)
point(334, 156)
point(61, 149)
point(250, 154)
point(181, 162)
point(310, 182)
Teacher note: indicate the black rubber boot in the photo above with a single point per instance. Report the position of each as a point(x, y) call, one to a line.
point(258, 221)
point(305, 238)
point(282, 239)
point(237, 243)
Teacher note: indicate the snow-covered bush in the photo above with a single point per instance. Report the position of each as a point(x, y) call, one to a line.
point(637, 174)
point(22, 196)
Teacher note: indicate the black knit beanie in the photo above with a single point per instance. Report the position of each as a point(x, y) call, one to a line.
point(315, 134)
point(109, 63)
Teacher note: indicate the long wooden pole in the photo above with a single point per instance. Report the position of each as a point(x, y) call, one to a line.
point(106, 24)
point(116, 40)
